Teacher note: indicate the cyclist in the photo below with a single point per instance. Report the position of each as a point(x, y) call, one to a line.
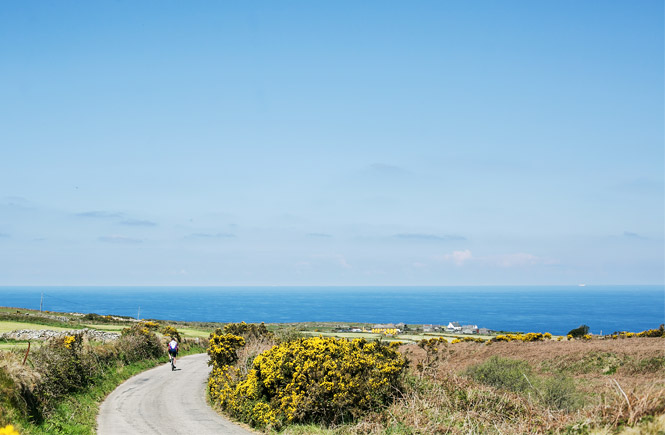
point(173, 350)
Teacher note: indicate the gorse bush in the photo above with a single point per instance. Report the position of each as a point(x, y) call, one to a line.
point(171, 331)
point(660, 332)
point(310, 380)
point(530, 336)
point(65, 367)
point(248, 330)
point(222, 348)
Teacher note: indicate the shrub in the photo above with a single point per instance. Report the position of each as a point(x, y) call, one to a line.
point(139, 342)
point(62, 365)
point(287, 334)
point(171, 331)
point(579, 332)
point(502, 373)
point(432, 348)
point(134, 347)
point(222, 348)
point(560, 393)
point(660, 332)
point(311, 380)
point(530, 336)
point(248, 331)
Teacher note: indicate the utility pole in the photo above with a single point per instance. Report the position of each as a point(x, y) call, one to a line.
point(138, 316)
point(41, 302)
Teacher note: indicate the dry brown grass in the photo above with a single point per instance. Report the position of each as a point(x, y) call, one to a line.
point(622, 382)
point(23, 375)
point(581, 359)
point(250, 351)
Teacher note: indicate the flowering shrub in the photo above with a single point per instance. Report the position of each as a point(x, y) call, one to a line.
point(171, 331)
point(321, 379)
point(385, 331)
point(69, 341)
point(8, 430)
point(222, 348)
point(153, 326)
point(660, 332)
point(248, 331)
point(531, 336)
point(141, 328)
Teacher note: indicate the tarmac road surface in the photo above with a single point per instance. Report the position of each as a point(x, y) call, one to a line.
point(161, 401)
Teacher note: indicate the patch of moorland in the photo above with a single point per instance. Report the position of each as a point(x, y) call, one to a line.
point(532, 384)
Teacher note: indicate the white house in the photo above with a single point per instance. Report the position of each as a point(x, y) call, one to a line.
point(454, 326)
point(470, 329)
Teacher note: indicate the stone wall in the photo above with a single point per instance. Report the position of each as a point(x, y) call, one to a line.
point(45, 334)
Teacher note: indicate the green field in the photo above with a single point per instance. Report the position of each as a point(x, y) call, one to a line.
point(7, 326)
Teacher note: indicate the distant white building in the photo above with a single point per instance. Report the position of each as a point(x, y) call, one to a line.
point(454, 326)
point(469, 329)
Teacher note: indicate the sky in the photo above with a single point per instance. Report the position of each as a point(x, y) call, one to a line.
point(332, 143)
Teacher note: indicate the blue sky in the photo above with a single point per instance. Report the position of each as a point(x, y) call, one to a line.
point(331, 143)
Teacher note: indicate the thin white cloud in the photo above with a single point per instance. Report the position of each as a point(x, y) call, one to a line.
point(100, 214)
point(430, 237)
point(211, 236)
point(631, 235)
point(138, 223)
point(459, 257)
point(386, 169)
point(337, 259)
point(520, 259)
point(119, 239)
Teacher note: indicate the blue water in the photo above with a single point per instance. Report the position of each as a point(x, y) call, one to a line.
point(556, 309)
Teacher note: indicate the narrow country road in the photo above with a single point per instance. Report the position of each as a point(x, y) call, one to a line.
point(161, 401)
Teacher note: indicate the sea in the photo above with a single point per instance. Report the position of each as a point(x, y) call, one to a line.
point(554, 309)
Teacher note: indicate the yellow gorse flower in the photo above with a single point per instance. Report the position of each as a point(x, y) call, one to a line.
point(8, 430)
point(68, 341)
point(306, 379)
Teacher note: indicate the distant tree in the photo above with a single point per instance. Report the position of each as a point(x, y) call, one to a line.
point(580, 331)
